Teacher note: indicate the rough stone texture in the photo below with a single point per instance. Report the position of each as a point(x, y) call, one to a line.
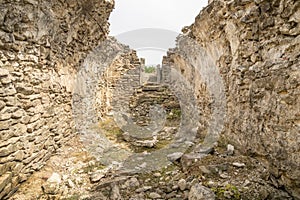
point(115, 76)
point(199, 192)
point(41, 48)
point(253, 44)
point(256, 45)
point(200, 91)
point(92, 99)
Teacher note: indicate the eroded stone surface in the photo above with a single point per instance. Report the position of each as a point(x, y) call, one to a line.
point(255, 46)
point(199, 192)
point(39, 57)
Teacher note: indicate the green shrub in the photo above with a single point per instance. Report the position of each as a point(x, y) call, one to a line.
point(150, 69)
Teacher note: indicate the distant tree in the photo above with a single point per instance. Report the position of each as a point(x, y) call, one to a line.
point(150, 69)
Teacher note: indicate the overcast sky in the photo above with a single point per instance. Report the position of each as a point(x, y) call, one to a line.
point(151, 20)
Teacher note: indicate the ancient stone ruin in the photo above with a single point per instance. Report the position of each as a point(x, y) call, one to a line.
point(219, 119)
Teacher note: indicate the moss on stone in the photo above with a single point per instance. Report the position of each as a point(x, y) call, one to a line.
point(227, 192)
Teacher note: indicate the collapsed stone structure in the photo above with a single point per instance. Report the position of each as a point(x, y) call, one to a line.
point(254, 45)
point(42, 46)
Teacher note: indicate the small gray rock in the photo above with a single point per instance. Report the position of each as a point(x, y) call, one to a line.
point(96, 176)
point(115, 193)
point(71, 184)
point(50, 188)
point(199, 192)
point(133, 182)
point(174, 156)
point(157, 174)
point(54, 178)
point(182, 184)
point(230, 150)
point(154, 195)
point(204, 170)
point(143, 189)
point(239, 165)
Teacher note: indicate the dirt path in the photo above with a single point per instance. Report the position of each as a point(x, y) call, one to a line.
point(73, 174)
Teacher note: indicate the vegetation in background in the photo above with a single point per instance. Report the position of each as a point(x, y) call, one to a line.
point(150, 69)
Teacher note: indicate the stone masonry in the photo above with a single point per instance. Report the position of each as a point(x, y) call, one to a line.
point(42, 45)
point(238, 63)
point(255, 46)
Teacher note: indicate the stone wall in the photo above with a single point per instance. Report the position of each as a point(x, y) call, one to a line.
point(116, 77)
point(108, 68)
point(200, 91)
point(41, 48)
point(255, 46)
